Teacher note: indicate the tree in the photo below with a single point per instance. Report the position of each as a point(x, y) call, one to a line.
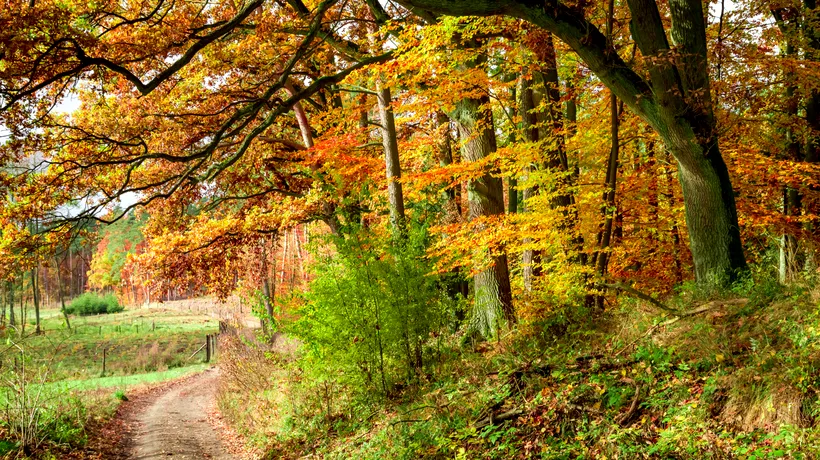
point(486, 198)
point(675, 101)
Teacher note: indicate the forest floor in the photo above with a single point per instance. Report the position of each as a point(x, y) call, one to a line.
point(735, 374)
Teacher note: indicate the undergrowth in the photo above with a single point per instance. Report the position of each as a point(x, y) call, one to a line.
point(739, 379)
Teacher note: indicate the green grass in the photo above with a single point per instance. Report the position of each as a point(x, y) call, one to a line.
point(135, 341)
point(126, 381)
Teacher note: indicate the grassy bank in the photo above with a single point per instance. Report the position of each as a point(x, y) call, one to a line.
point(736, 376)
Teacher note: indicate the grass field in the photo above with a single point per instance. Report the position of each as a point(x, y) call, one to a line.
point(60, 371)
point(135, 341)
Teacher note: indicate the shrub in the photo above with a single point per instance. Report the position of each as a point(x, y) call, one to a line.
point(94, 304)
point(372, 313)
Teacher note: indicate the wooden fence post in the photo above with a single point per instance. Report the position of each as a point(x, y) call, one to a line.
point(208, 348)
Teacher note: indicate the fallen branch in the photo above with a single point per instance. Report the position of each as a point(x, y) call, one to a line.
point(703, 308)
point(194, 354)
point(641, 295)
point(500, 418)
point(632, 408)
point(713, 304)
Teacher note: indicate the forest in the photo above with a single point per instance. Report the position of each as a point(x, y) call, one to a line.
point(413, 228)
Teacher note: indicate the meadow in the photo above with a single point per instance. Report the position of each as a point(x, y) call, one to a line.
point(54, 384)
point(135, 341)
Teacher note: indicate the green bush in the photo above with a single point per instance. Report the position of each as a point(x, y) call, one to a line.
point(94, 304)
point(372, 313)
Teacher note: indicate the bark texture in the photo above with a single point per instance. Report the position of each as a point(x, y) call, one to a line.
point(391, 159)
point(493, 297)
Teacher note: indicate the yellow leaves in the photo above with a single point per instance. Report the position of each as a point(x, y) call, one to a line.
point(471, 244)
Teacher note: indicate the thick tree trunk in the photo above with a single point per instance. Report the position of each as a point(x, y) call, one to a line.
point(711, 216)
point(493, 296)
point(711, 213)
point(395, 194)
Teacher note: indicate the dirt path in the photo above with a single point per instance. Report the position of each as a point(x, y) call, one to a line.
point(176, 424)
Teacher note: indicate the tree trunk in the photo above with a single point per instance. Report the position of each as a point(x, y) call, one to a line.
point(556, 155)
point(493, 296)
point(452, 208)
point(812, 147)
point(267, 293)
point(70, 274)
point(531, 258)
point(611, 182)
point(512, 181)
point(12, 321)
point(652, 198)
point(62, 297)
point(445, 158)
point(391, 159)
point(301, 118)
point(22, 306)
point(711, 213)
point(711, 218)
point(792, 199)
point(3, 313)
point(284, 263)
point(35, 295)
